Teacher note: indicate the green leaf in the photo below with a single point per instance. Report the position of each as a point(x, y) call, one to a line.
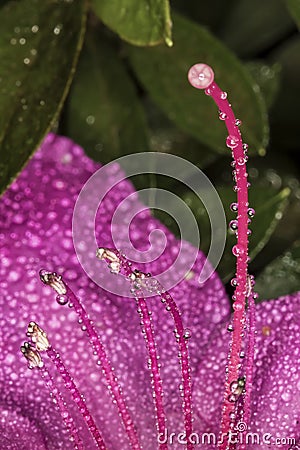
point(163, 72)
point(268, 79)
point(282, 276)
point(39, 47)
point(210, 13)
point(140, 22)
point(165, 137)
point(294, 8)
point(254, 25)
point(104, 113)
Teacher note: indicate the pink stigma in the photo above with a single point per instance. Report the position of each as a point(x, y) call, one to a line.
point(201, 76)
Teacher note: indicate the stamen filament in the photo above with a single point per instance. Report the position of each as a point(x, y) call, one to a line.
point(250, 362)
point(71, 386)
point(154, 366)
point(62, 407)
point(201, 76)
point(110, 377)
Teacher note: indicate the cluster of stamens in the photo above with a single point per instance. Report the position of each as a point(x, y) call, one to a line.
point(238, 381)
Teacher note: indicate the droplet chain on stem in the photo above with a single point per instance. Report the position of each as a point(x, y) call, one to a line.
point(71, 386)
point(201, 76)
point(118, 263)
point(147, 326)
point(62, 407)
point(115, 390)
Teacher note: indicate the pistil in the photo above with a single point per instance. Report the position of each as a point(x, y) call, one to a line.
point(201, 76)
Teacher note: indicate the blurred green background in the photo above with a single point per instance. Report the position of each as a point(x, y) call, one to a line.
point(111, 74)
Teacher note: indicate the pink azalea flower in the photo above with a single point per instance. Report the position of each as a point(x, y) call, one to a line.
point(36, 233)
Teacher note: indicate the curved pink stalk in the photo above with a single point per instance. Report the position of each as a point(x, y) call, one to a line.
point(154, 366)
point(250, 360)
point(66, 295)
point(62, 407)
point(182, 335)
point(71, 386)
point(119, 263)
point(201, 76)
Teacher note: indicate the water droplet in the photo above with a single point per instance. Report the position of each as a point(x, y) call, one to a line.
point(223, 95)
point(13, 41)
point(22, 41)
point(232, 141)
point(242, 354)
point(245, 147)
point(187, 333)
point(234, 282)
point(232, 398)
point(90, 120)
point(234, 207)
point(57, 29)
point(222, 115)
point(241, 161)
point(62, 299)
point(230, 328)
point(251, 212)
point(237, 306)
point(238, 250)
point(286, 396)
point(35, 28)
point(238, 122)
point(26, 61)
point(234, 386)
point(233, 225)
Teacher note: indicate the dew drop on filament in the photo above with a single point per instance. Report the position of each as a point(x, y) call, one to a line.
point(62, 299)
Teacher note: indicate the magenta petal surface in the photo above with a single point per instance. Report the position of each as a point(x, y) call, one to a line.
point(36, 232)
point(276, 388)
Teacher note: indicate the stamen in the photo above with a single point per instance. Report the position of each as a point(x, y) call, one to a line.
point(112, 382)
point(152, 285)
point(240, 250)
point(71, 386)
point(57, 397)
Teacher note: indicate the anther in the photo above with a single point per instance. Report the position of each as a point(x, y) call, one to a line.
point(53, 280)
point(111, 257)
point(32, 355)
point(38, 336)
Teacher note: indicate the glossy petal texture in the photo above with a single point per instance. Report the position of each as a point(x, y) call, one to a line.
point(35, 232)
point(276, 388)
